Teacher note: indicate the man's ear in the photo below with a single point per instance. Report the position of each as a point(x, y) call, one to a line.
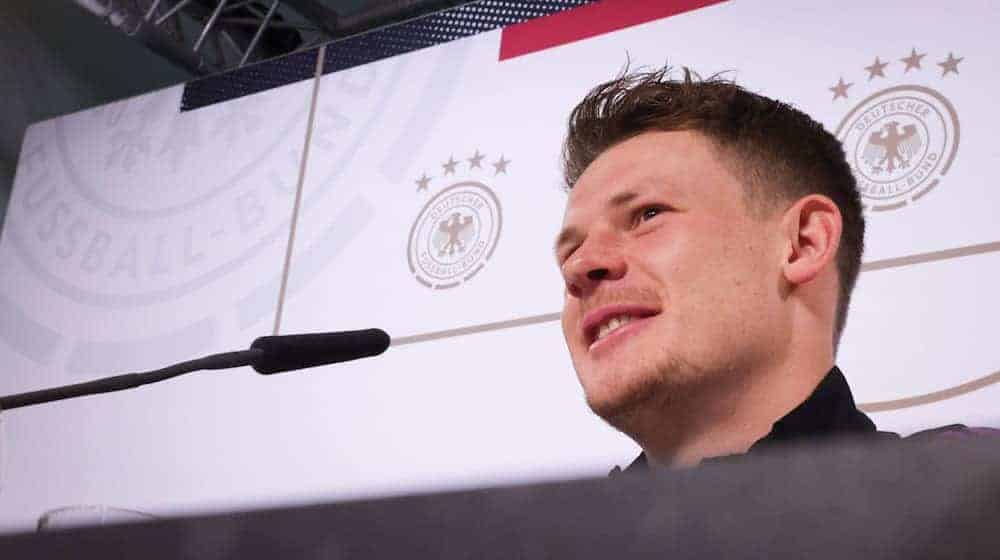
point(812, 229)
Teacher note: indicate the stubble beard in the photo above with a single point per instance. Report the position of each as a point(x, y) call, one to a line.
point(650, 390)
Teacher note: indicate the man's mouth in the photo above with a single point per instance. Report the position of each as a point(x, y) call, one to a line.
point(607, 321)
point(614, 324)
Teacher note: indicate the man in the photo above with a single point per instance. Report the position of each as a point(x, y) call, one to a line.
point(710, 244)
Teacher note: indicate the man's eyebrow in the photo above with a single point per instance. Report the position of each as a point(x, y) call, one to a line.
point(571, 233)
point(623, 198)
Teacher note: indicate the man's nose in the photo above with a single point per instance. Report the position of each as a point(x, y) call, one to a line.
point(600, 258)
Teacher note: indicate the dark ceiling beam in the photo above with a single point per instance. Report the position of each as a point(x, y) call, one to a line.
point(319, 15)
point(387, 12)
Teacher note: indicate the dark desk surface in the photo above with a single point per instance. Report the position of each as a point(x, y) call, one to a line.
point(893, 500)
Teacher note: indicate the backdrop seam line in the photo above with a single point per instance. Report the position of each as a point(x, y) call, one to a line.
point(933, 396)
point(474, 329)
point(303, 163)
point(933, 256)
point(895, 262)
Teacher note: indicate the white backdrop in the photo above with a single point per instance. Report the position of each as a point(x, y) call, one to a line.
point(138, 236)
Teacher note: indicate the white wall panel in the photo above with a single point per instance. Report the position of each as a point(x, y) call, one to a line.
point(139, 236)
point(463, 409)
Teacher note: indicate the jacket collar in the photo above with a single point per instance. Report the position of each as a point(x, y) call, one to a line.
point(829, 411)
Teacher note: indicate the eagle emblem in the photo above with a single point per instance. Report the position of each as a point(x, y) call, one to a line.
point(888, 149)
point(453, 234)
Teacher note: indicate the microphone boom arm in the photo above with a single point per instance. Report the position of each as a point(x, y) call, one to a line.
point(129, 380)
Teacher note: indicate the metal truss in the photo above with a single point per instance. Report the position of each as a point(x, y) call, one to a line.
point(210, 36)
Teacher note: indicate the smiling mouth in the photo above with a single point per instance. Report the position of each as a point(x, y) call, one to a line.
point(608, 338)
point(614, 324)
point(604, 324)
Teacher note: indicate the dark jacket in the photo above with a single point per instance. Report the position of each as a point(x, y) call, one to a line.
point(828, 413)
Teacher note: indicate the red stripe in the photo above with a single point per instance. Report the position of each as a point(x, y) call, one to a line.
point(588, 21)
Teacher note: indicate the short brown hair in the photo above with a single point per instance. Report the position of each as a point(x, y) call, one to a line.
point(780, 152)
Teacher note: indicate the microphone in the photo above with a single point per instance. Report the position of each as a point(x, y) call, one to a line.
point(267, 355)
point(299, 351)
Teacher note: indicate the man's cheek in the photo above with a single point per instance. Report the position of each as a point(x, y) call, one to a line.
point(566, 329)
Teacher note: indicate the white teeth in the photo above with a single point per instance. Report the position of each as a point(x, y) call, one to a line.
point(613, 324)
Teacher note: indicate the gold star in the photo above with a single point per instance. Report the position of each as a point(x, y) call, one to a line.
point(876, 69)
point(912, 61)
point(840, 90)
point(449, 166)
point(950, 65)
point(422, 182)
point(501, 165)
point(476, 160)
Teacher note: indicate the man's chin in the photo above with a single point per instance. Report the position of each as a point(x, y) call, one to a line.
point(617, 407)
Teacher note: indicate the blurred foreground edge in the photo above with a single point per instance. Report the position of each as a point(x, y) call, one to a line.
point(938, 499)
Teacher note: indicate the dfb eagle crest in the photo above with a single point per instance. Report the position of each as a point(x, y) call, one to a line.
point(888, 149)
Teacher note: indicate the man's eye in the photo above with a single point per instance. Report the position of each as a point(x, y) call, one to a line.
point(650, 212)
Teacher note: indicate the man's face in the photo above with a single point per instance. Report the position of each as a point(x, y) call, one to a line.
point(671, 286)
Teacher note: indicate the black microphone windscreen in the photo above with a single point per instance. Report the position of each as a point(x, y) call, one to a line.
point(298, 351)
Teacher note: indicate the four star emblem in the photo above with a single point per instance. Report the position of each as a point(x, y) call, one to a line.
point(451, 166)
point(913, 62)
